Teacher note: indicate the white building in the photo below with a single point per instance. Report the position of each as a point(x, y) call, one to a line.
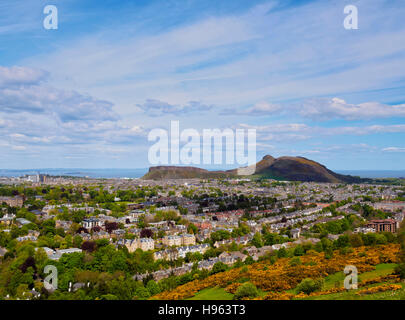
point(91, 223)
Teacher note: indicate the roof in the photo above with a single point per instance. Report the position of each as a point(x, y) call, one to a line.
point(383, 221)
point(23, 221)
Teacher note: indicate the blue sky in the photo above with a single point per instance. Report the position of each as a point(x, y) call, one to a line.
point(87, 94)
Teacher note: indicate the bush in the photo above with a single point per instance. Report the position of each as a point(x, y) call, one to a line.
point(153, 287)
point(355, 240)
point(299, 251)
point(219, 267)
point(142, 293)
point(296, 261)
point(282, 253)
point(400, 270)
point(246, 290)
point(309, 285)
point(89, 246)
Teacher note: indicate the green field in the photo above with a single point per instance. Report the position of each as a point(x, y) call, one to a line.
point(351, 295)
point(380, 270)
point(215, 293)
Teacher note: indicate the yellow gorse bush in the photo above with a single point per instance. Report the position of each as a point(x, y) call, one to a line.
point(281, 276)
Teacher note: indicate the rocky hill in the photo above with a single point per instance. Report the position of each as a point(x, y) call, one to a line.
point(173, 172)
point(298, 169)
point(283, 168)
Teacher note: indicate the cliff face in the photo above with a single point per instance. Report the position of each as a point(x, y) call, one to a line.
point(283, 168)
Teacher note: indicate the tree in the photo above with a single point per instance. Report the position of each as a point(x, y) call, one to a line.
point(369, 239)
point(282, 253)
point(183, 211)
point(220, 235)
point(219, 267)
point(102, 243)
point(146, 233)
point(309, 285)
point(29, 262)
point(96, 229)
point(257, 240)
point(153, 287)
point(111, 226)
point(299, 251)
point(246, 290)
point(343, 241)
point(89, 246)
point(210, 253)
point(77, 241)
point(355, 240)
point(192, 228)
point(142, 293)
point(381, 239)
point(82, 229)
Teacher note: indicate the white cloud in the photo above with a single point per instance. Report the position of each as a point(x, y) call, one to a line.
point(156, 108)
point(393, 149)
point(373, 129)
point(36, 114)
point(25, 89)
point(258, 55)
point(19, 76)
point(301, 131)
point(259, 109)
point(281, 132)
point(335, 108)
point(253, 59)
point(322, 109)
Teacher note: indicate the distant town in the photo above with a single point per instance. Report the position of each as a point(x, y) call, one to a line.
point(156, 231)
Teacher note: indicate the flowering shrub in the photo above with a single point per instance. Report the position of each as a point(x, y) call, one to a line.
point(278, 296)
point(382, 288)
point(232, 287)
point(282, 276)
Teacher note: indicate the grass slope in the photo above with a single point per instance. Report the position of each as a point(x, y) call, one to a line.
point(217, 293)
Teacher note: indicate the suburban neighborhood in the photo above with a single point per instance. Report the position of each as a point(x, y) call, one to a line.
point(177, 227)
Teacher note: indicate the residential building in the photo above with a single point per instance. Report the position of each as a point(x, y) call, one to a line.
point(387, 225)
point(187, 239)
point(16, 201)
point(144, 244)
point(172, 241)
point(91, 223)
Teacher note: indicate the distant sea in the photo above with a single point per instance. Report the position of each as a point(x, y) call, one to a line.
point(374, 173)
point(139, 172)
point(91, 173)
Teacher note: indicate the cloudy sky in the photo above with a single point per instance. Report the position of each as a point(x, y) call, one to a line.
point(87, 94)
